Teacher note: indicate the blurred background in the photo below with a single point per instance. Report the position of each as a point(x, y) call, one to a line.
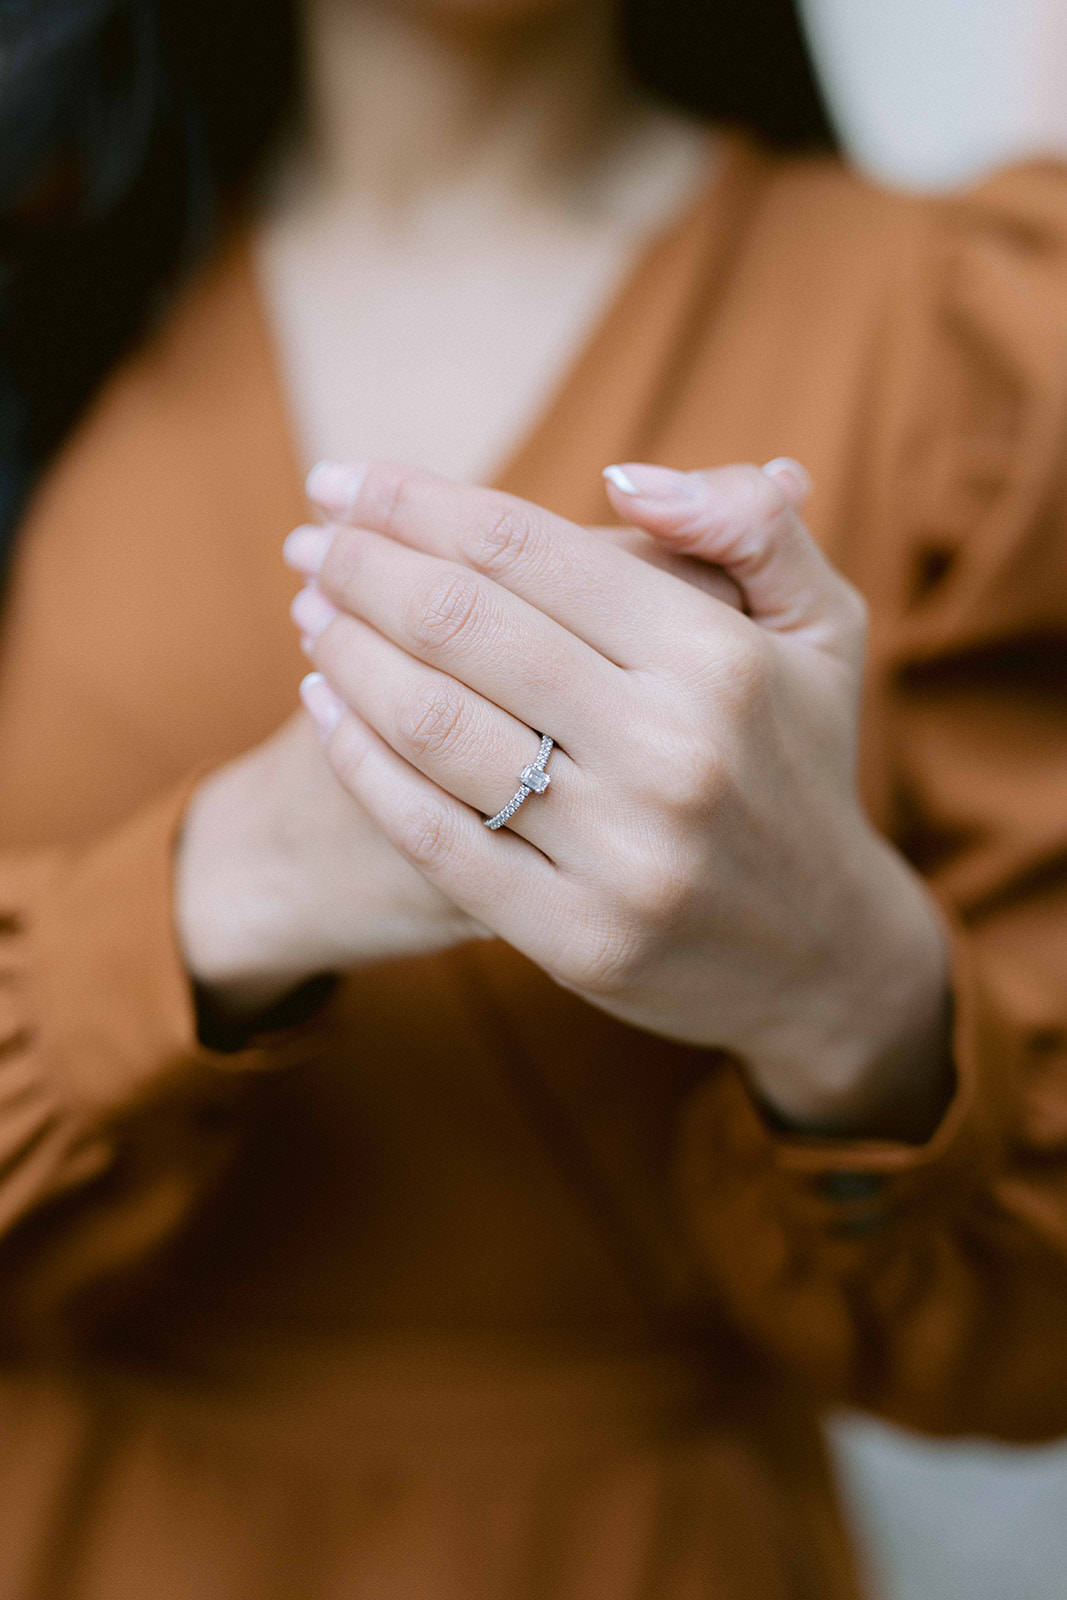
point(927, 94)
point(955, 1521)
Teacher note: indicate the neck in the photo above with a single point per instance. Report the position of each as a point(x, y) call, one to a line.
point(399, 107)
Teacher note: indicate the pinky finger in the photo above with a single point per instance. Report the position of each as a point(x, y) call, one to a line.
point(497, 878)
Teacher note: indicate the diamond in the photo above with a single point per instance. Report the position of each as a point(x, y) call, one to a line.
point(535, 779)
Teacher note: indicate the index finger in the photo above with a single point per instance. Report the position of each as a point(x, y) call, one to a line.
point(633, 613)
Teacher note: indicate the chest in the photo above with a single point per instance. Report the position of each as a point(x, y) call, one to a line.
point(146, 624)
point(438, 342)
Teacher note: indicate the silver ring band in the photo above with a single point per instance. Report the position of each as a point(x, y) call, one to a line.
point(533, 779)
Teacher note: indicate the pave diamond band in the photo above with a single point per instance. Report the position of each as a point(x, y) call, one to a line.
point(533, 779)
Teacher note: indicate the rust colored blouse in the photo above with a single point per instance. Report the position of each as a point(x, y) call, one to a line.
point(457, 1288)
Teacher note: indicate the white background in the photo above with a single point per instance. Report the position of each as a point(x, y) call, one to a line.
point(930, 92)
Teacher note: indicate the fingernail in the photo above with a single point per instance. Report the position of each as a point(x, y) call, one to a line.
point(334, 485)
point(311, 611)
point(322, 705)
point(305, 548)
point(655, 483)
point(787, 467)
point(618, 477)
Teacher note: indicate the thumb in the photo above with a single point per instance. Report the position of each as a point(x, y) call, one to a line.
point(745, 519)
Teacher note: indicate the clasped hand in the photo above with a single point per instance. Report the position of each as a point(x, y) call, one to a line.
point(700, 865)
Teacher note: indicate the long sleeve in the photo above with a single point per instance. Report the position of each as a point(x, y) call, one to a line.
point(114, 1116)
point(929, 1282)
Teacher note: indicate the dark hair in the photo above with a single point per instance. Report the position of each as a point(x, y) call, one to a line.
point(130, 130)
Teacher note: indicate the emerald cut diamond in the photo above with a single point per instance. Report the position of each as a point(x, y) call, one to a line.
point(535, 779)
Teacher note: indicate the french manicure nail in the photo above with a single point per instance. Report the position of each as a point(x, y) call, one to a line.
point(334, 485)
point(311, 611)
point(657, 483)
point(305, 548)
point(322, 705)
point(616, 476)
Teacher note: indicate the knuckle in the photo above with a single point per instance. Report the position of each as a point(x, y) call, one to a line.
point(657, 893)
point(617, 938)
point(744, 669)
point(606, 957)
point(680, 766)
point(745, 523)
point(754, 537)
point(506, 541)
point(431, 719)
point(742, 502)
point(751, 656)
point(445, 609)
point(708, 523)
point(688, 775)
point(426, 836)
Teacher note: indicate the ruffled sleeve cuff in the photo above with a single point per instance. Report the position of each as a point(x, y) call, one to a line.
point(107, 992)
point(761, 1198)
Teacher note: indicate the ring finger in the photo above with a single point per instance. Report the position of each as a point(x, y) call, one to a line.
point(464, 743)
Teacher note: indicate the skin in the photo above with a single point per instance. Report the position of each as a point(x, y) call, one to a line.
point(279, 873)
point(700, 865)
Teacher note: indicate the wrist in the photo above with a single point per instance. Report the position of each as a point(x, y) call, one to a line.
point(236, 897)
point(867, 1050)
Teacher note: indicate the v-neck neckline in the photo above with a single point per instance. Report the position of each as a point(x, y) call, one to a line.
point(675, 271)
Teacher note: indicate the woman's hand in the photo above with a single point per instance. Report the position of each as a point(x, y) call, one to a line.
point(700, 865)
point(282, 875)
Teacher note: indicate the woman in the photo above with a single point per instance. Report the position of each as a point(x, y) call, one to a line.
point(400, 1205)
